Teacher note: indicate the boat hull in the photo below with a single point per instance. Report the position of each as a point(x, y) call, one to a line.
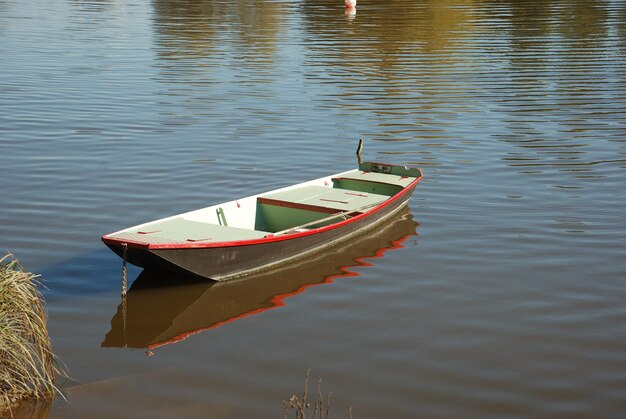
point(233, 261)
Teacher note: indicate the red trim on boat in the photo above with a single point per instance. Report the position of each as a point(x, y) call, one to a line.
point(372, 181)
point(295, 205)
point(267, 238)
point(334, 200)
point(130, 243)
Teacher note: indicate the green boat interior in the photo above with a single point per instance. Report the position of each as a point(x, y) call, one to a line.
point(288, 209)
point(314, 206)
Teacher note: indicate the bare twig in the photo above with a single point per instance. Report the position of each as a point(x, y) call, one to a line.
point(299, 406)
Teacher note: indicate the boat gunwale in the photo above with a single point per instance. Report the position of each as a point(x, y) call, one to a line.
point(267, 239)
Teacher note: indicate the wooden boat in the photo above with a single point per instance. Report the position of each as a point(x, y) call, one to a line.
point(162, 308)
point(260, 232)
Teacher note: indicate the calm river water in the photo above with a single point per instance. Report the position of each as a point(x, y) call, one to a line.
point(501, 292)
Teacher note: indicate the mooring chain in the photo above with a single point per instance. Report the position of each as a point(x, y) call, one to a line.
point(124, 270)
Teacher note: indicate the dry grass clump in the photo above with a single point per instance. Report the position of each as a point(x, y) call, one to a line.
point(26, 359)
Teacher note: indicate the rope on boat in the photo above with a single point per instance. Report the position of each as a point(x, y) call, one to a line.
point(124, 269)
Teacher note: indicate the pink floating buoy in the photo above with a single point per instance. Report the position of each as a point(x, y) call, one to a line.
point(350, 4)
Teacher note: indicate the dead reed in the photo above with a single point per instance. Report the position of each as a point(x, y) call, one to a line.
point(26, 361)
point(300, 406)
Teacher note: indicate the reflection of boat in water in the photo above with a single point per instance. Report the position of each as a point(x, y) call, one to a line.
point(164, 308)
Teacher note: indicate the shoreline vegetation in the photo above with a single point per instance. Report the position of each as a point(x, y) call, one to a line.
point(27, 369)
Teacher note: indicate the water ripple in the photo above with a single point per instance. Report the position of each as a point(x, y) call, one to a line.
point(508, 303)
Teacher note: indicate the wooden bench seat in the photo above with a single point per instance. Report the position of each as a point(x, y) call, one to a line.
point(323, 199)
point(389, 179)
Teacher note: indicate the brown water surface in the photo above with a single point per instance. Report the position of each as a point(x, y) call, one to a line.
point(499, 293)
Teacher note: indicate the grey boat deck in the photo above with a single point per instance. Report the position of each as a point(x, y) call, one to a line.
point(179, 230)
